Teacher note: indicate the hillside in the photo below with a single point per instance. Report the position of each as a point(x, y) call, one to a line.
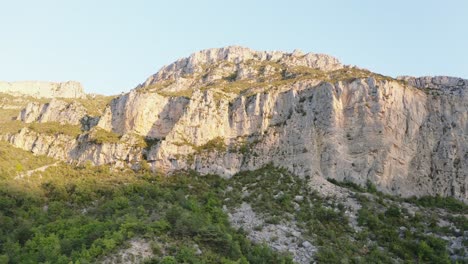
point(239, 156)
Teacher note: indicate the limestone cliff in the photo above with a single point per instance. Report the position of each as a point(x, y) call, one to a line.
point(233, 109)
point(78, 150)
point(53, 111)
point(39, 89)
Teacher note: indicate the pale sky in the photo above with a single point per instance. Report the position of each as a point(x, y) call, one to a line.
point(111, 46)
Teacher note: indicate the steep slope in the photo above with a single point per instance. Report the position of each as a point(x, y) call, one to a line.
point(234, 109)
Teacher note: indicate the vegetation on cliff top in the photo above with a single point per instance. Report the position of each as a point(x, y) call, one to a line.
point(268, 75)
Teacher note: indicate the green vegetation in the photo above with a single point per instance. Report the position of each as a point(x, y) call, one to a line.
point(150, 142)
point(101, 136)
point(272, 191)
point(12, 126)
point(350, 185)
point(389, 232)
point(270, 75)
point(391, 228)
point(285, 75)
point(54, 128)
point(231, 77)
point(183, 93)
point(19, 101)
point(434, 202)
point(82, 214)
point(7, 115)
point(155, 87)
point(244, 146)
point(14, 160)
point(10, 107)
point(94, 104)
point(447, 203)
point(215, 144)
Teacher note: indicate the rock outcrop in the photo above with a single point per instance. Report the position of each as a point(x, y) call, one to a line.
point(154, 117)
point(54, 111)
point(38, 89)
point(233, 109)
point(125, 152)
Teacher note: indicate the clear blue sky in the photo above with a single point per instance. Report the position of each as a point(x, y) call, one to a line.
point(111, 46)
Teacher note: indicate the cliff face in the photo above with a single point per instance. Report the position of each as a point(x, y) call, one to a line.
point(79, 150)
point(54, 111)
point(154, 117)
point(404, 140)
point(233, 109)
point(38, 89)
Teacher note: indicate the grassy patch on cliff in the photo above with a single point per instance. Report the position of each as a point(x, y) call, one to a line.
point(101, 136)
point(12, 126)
point(55, 128)
point(7, 115)
point(14, 160)
point(267, 75)
point(94, 104)
point(215, 144)
point(183, 93)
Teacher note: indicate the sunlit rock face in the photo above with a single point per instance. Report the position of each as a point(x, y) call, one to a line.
point(53, 111)
point(232, 109)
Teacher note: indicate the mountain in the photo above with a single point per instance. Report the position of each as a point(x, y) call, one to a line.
point(237, 156)
point(234, 109)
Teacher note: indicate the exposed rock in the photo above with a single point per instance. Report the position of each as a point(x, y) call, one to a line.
point(298, 198)
point(81, 149)
point(56, 146)
point(146, 114)
point(139, 251)
point(54, 111)
point(232, 109)
point(404, 140)
point(88, 122)
point(285, 237)
point(38, 89)
point(444, 84)
point(239, 56)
